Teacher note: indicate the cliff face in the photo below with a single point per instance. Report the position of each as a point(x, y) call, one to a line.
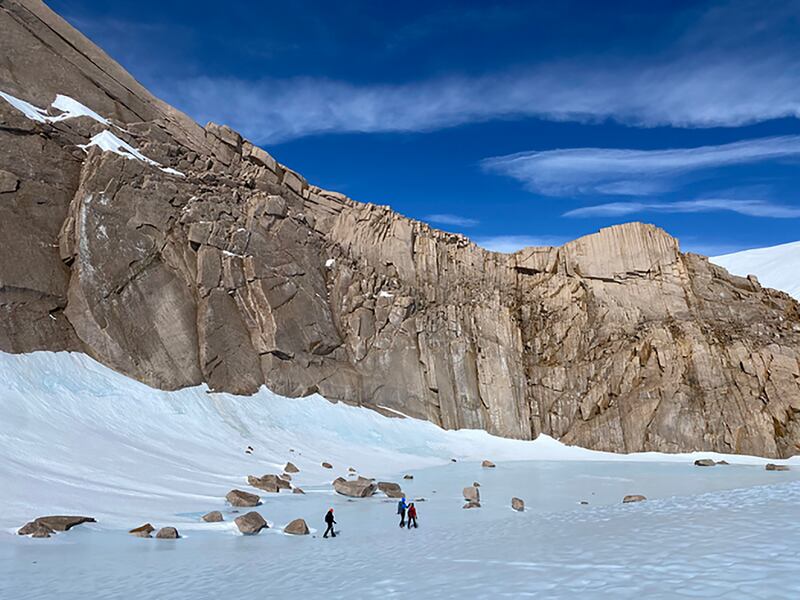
point(191, 256)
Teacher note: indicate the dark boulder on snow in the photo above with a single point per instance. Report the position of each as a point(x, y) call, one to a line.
point(250, 523)
point(327, 465)
point(297, 527)
point(518, 504)
point(143, 531)
point(291, 468)
point(704, 462)
point(408, 477)
point(297, 490)
point(213, 517)
point(240, 498)
point(472, 494)
point(168, 533)
point(487, 464)
point(61, 522)
point(633, 498)
point(774, 467)
point(36, 530)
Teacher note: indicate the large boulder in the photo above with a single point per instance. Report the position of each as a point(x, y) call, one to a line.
point(250, 523)
point(705, 462)
point(291, 468)
point(269, 483)
point(633, 498)
point(390, 489)
point(143, 531)
point(242, 499)
point(487, 464)
point(213, 517)
point(62, 522)
point(472, 494)
point(361, 488)
point(297, 527)
point(518, 504)
point(168, 533)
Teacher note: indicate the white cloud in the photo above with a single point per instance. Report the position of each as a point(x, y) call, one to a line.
point(512, 243)
point(752, 208)
point(454, 220)
point(621, 172)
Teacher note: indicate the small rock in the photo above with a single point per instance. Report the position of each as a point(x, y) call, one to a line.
point(408, 477)
point(633, 498)
point(351, 470)
point(453, 460)
point(488, 464)
point(584, 502)
point(774, 467)
point(704, 462)
point(518, 504)
point(213, 517)
point(291, 468)
point(143, 531)
point(420, 500)
point(250, 523)
point(168, 533)
point(35, 529)
point(723, 462)
point(297, 490)
point(297, 527)
point(471, 494)
point(327, 465)
point(240, 498)
point(390, 489)
point(249, 450)
point(476, 484)
point(472, 504)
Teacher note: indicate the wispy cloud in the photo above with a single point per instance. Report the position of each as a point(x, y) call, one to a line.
point(454, 220)
point(512, 243)
point(619, 172)
point(751, 208)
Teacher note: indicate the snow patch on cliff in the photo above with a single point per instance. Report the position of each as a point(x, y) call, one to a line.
point(776, 267)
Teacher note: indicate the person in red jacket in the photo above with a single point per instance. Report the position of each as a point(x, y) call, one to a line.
point(412, 515)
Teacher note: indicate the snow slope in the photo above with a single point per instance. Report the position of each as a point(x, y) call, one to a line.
point(76, 437)
point(777, 267)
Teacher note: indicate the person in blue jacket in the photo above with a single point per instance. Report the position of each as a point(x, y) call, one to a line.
point(401, 510)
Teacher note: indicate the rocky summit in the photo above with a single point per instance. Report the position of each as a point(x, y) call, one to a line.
point(179, 254)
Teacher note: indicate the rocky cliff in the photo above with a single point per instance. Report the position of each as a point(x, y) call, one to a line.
point(178, 255)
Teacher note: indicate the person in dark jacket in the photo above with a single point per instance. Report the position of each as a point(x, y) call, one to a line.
point(412, 515)
point(401, 510)
point(330, 521)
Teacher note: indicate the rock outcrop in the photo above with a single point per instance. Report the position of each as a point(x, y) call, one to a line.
point(361, 488)
point(202, 259)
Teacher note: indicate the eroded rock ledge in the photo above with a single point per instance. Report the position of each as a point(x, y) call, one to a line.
point(237, 272)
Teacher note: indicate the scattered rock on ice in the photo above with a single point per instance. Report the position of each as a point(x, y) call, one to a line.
point(36, 530)
point(213, 517)
point(704, 462)
point(476, 484)
point(268, 483)
point(723, 462)
point(361, 488)
point(143, 531)
point(62, 522)
point(297, 527)
point(351, 470)
point(291, 468)
point(168, 533)
point(297, 490)
point(327, 465)
point(518, 504)
point(774, 467)
point(240, 498)
point(390, 489)
point(249, 450)
point(250, 523)
point(471, 494)
point(488, 464)
point(407, 476)
point(633, 498)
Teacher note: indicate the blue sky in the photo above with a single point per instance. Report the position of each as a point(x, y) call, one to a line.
point(513, 123)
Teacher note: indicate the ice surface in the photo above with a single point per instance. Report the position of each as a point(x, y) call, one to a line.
point(77, 438)
point(776, 267)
